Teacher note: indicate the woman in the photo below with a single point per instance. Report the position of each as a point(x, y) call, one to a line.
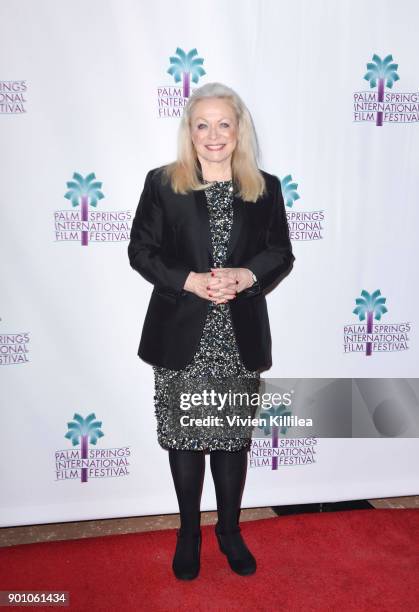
point(210, 233)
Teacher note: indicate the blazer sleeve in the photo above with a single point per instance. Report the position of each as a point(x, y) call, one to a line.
point(145, 251)
point(276, 259)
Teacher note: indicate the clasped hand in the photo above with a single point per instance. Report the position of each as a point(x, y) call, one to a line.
point(220, 284)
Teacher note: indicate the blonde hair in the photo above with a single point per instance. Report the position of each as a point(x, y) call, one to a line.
point(184, 173)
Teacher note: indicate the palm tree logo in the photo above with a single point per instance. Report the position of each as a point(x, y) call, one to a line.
point(186, 66)
point(85, 191)
point(289, 190)
point(385, 72)
point(84, 429)
point(267, 428)
point(372, 307)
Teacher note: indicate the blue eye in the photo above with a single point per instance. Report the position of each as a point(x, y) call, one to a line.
point(201, 125)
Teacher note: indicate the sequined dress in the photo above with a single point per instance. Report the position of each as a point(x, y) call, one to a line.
point(217, 354)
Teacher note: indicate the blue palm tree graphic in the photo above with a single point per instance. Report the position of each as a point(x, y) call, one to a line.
point(186, 66)
point(267, 427)
point(385, 72)
point(81, 190)
point(289, 190)
point(372, 307)
point(81, 429)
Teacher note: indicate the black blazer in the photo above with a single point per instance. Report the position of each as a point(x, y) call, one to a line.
point(170, 236)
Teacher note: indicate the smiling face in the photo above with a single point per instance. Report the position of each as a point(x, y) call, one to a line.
point(214, 131)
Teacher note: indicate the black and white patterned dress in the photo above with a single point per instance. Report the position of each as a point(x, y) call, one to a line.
point(217, 354)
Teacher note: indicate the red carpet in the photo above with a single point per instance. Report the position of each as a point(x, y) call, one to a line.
point(358, 560)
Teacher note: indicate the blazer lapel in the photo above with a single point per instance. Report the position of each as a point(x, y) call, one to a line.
point(204, 223)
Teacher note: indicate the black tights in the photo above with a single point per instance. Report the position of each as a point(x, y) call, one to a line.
point(229, 474)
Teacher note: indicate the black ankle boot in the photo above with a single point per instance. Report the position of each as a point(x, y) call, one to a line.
point(186, 561)
point(239, 556)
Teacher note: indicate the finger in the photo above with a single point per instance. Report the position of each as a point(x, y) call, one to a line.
point(212, 287)
point(232, 286)
point(220, 271)
point(215, 295)
point(229, 288)
point(210, 299)
point(226, 294)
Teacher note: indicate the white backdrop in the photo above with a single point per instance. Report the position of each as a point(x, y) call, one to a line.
point(85, 88)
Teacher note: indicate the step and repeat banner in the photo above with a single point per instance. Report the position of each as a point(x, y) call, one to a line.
point(91, 94)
